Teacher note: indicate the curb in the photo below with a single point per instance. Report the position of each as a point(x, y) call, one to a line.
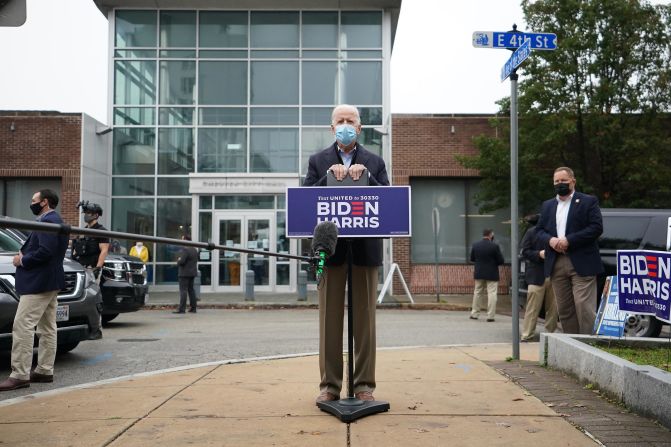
point(252, 305)
point(644, 389)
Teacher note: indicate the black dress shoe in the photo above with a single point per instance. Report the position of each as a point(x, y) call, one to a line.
point(178, 311)
point(14, 384)
point(41, 378)
point(193, 311)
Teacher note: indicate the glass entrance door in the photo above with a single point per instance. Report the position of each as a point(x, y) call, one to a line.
point(254, 231)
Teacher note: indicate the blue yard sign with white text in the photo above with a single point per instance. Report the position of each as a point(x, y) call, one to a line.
point(644, 282)
point(609, 318)
point(368, 211)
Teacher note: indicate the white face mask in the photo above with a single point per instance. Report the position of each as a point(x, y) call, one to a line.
point(138, 245)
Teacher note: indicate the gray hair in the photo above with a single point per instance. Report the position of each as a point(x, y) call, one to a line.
point(347, 107)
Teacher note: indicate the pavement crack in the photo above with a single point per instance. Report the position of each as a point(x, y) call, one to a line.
point(159, 405)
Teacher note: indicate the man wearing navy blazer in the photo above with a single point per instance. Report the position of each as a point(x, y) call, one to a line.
point(346, 157)
point(569, 226)
point(39, 278)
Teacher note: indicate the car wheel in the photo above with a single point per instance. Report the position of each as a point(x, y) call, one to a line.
point(642, 326)
point(109, 317)
point(66, 347)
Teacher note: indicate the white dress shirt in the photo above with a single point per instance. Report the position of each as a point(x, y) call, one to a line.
point(563, 207)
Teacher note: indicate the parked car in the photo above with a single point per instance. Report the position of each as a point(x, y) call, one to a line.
point(76, 313)
point(124, 288)
point(627, 229)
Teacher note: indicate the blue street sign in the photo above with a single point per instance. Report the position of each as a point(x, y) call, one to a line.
point(495, 39)
point(516, 59)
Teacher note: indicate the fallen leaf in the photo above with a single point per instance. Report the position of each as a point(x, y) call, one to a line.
point(517, 399)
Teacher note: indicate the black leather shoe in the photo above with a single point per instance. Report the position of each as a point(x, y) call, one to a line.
point(178, 311)
point(193, 311)
point(97, 335)
point(41, 378)
point(14, 384)
point(489, 320)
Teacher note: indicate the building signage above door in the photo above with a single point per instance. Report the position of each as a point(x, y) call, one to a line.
point(240, 185)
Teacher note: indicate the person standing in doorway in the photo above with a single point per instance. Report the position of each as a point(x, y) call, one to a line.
point(539, 288)
point(487, 257)
point(187, 269)
point(569, 227)
point(38, 279)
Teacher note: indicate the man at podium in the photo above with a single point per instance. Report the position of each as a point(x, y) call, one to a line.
point(348, 163)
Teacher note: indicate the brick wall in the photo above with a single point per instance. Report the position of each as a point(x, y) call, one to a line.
point(425, 146)
point(44, 144)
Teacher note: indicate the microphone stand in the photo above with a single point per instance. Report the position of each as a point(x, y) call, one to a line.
point(351, 408)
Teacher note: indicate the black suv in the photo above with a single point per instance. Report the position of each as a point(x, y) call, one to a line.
point(76, 313)
point(125, 285)
point(627, 229)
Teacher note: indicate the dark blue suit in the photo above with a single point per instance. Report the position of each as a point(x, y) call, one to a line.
point(573, 274)
point(42, 262)
point(583, 227)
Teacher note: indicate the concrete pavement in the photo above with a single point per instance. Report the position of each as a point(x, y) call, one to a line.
point(438, 396)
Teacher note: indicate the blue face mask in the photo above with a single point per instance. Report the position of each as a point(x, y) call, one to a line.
point(345, 134)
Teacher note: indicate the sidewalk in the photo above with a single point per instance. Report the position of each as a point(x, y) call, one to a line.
point(288, 300)
point(438, 396)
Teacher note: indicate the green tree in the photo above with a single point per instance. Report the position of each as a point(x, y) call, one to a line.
point(598, 104)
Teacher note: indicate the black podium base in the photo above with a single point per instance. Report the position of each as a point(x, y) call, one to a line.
point(350, 409)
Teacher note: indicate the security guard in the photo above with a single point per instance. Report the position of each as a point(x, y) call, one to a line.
point(91, 251)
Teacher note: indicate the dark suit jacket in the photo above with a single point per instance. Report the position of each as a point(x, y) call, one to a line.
point(487, 257)
point(187, 263)
point(583, 227)
point(365, 251)
point(43, 253)
point(531, 246)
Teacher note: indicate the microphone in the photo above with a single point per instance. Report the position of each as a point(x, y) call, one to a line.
point(324, 240)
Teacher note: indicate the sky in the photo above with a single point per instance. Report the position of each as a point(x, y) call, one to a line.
point(58, 59)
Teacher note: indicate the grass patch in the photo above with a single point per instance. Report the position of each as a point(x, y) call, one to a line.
point(658, 356)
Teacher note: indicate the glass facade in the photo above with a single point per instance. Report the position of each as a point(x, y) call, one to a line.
point(230, 92)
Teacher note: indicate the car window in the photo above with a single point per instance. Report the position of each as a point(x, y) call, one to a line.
point(623, 232)
point(655, 237)
point(8, 243)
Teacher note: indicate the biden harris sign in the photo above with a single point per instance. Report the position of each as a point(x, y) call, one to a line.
point(644, 282)
point(368, 211)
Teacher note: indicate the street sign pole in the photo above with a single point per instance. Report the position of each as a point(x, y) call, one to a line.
point(514, 251)
point(522, 44)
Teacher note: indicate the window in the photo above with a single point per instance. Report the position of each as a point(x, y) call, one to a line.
point(274, 83)
point(175, 151)
point(274, 30)
point(460, 223)
point(223, 29)
point(178, 29)
point(133, 151)
point(623, 232)
point(223, 83)
point(222, 150)
point(274, 150)
point(177, 81)
point(135, 29)
point(134, 82)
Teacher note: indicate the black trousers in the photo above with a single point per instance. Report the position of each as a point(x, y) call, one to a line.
point(186, 286)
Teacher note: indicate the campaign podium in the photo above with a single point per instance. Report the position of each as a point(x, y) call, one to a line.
point(358, 211)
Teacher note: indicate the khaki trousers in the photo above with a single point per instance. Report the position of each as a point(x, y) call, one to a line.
point(576, 297)
point(536, 295)
point(34, 310)
point(331, 313)
point(479, 295)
